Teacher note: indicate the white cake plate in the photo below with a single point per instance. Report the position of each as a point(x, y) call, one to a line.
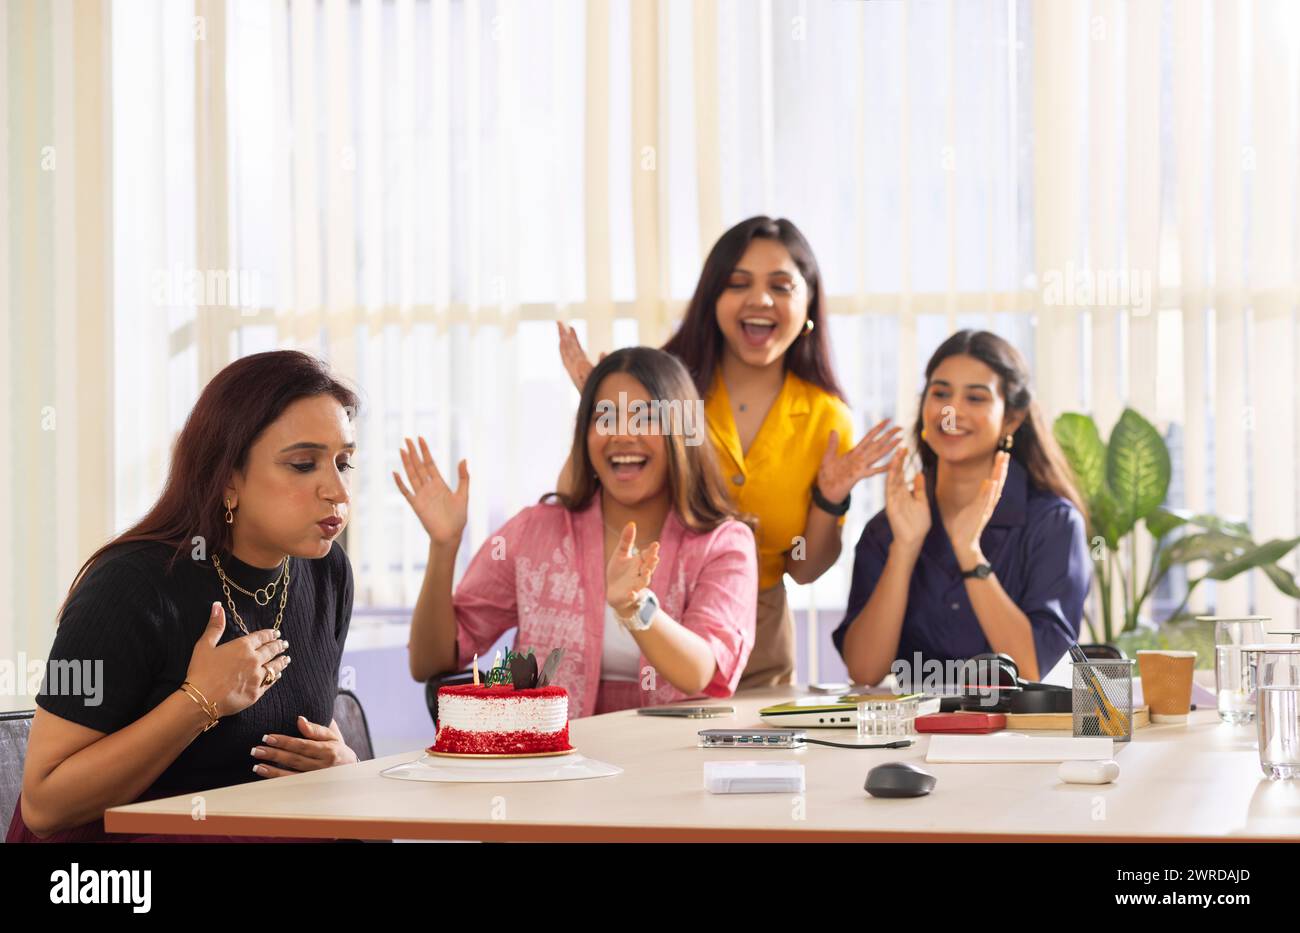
point(443, 769)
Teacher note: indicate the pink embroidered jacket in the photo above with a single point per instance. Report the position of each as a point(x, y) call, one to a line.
point(545, 572)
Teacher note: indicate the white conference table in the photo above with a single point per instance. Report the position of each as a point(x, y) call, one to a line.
point(1194, 782)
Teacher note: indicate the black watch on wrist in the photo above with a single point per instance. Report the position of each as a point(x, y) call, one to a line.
point(981, 571)
point(826, 505)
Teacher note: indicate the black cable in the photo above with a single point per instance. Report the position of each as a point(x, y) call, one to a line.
point(899, 743)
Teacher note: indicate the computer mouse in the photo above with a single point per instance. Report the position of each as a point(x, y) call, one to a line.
point(899, 779)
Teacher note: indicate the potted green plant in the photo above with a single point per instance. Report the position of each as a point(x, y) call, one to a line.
point(1124, 482)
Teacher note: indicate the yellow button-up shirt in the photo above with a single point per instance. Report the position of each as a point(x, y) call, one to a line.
point(773, 482)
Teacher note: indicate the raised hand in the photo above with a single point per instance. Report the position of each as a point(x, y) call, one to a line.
point(967, 525)
point(906, 504)
point(443, 513)
point(838, 473)
point(231, 676)
point(573, 356)
point(629, 570)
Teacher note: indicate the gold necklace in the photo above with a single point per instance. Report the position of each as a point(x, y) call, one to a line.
point(264, 594)
point(227, 583)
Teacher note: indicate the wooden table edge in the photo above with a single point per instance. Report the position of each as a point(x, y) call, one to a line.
point(505, 831)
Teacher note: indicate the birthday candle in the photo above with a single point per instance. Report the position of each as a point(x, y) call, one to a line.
point(476, 683)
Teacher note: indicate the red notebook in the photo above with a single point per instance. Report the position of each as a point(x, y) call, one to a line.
point(962, 722)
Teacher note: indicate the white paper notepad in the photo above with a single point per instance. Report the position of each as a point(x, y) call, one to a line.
point(1015, 746)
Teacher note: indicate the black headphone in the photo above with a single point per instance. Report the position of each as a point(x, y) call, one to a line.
point(976, 669)
point(1007, 692)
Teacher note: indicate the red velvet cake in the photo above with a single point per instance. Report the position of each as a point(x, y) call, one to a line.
point(500, 720)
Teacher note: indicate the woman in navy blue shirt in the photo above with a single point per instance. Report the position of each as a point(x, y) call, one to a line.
point(984, 551)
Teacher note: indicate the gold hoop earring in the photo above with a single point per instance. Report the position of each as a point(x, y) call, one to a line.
point(1007, 442)
point(923, 434)
point(230, 516)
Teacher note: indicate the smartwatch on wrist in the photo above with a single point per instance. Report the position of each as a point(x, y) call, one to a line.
point(647, 604)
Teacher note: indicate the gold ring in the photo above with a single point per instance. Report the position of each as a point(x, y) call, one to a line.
point(270, 678)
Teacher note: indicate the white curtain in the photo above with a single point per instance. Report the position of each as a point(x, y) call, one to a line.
point(56, 303)
point(416, 189)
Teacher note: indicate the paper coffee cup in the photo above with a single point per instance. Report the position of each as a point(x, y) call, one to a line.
point(1167, 683)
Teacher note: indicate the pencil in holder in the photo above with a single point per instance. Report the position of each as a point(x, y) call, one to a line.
point(1102, 699)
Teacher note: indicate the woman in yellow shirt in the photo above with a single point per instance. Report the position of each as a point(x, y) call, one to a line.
point(754, 339)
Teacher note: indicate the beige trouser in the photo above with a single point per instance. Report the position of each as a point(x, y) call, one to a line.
point(772, 661)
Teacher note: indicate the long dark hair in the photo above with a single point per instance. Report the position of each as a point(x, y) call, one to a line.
point(698, 494)
point(231, 413)
point(698, 342)
point(1033, 445)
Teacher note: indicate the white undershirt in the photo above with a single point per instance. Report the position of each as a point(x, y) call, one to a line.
point(620, 655)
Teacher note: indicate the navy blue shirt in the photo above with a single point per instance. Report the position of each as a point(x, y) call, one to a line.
point(1038, 548)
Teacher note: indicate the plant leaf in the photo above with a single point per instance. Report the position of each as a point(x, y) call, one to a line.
point(1204, 545)
point(1077, 434)
point(1267, 553)
point(1107, 520)
point(1282, 579)
point(1137, 467)
point(1162, 521)
point(1225, 525)
point(1206, 521)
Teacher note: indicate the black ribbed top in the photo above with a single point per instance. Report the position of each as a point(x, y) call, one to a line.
point(142, 618)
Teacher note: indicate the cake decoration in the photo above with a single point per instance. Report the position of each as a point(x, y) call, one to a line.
point(548, 670)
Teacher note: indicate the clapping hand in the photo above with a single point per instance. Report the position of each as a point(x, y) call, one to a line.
point(442, 512)
point(574, 357)
point(839, 473)
point(968, 525)
point(906, 504)
point(629, 571)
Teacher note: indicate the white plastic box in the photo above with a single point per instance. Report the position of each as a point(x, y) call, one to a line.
point(753, 777)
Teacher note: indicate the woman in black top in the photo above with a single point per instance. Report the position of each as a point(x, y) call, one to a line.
point(170, 665)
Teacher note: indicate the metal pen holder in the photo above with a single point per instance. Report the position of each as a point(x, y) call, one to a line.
point(1102, 699)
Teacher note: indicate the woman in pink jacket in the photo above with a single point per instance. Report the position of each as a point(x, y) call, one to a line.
point(643, 574)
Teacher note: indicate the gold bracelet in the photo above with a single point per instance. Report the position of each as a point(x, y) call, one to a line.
point(209, 708)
